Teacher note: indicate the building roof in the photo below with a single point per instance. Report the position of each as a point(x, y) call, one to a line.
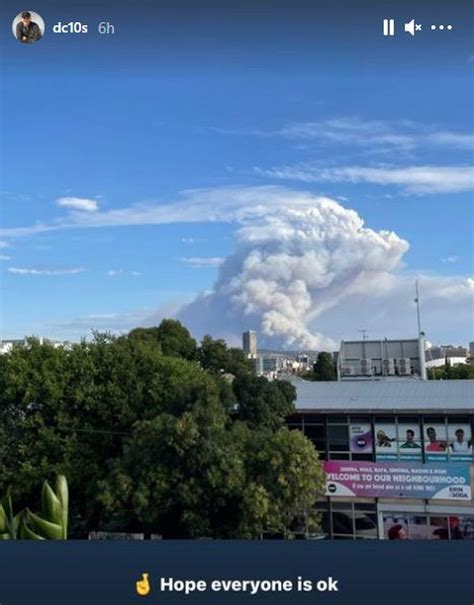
point(385, 395)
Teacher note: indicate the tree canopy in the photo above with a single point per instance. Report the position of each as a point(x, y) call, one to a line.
point(323, 369)
point(153, 436)
point(460, 371)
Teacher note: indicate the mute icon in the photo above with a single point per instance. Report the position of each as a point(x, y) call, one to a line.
point(411, 27)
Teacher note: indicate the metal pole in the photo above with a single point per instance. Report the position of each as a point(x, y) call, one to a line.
point(421, 335)
point(417, 300)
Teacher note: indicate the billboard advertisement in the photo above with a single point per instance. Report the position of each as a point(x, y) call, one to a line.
point(386, 447)
point(436, 442)
point(398, 480)
point(361, 441)
point(409, 442)
point(460, 442)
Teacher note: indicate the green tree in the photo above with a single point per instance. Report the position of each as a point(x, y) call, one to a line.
point(215, 356)
point(460, 371)
point(180, 475)
point(151, 441)
point(172, 337)
point(263, 404)
point(323, 369)
point(285, 480)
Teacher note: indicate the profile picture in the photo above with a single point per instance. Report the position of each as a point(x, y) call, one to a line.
point(28, 27)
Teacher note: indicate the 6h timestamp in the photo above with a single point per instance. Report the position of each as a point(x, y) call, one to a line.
point(105, 27)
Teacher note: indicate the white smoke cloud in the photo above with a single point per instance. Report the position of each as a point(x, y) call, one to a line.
point(293, 262)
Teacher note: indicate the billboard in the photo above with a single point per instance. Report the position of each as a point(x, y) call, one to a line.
point(460, 442)
point(361, 441)
point(409, 442)
point(386, 446)
point(398, 480)
point(436, 442)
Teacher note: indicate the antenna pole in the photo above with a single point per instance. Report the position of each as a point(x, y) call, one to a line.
point(421, 335)
point(418, 314)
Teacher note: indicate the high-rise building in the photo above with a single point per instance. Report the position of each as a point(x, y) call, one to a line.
point(471, 348)
point(249, 343)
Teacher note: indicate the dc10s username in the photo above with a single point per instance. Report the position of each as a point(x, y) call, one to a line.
point(77, 27)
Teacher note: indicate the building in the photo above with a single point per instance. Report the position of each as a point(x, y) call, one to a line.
point(258, 365)
point(372, 359)
point(439, 356)
point(6, 346)
point(398, 456)
point(249, 343)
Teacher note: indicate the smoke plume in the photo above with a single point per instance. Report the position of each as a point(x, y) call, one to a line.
point(296, 257)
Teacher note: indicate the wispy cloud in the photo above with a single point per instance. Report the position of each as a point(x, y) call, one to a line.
point(199, 262)
point(4, 245)
point(33, 271)
point(120, 272)
point(412, 179)
point(226, 205)
point(354, 131)
point(450, 259)
point(4, 257)
point(78, 203)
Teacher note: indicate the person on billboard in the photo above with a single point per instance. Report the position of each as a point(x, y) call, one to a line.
point(460, 444)
point(434, 445)
point(27, 31)
point(410, 442)
point(383, 440)
point(396, 532)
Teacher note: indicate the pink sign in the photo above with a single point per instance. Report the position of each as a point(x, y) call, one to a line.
point(398, 480)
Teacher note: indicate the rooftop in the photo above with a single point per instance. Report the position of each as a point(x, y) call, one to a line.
point(385, 395)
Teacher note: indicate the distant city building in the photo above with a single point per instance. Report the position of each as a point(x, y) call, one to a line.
point(471, 348)
point(249, 343)
point(258, 365)
point(272, 364)
point(303, 360)
point(6, 346)
point(381, 359)
point(439, 356)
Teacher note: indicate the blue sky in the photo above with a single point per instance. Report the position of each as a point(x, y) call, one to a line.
point(101, 137)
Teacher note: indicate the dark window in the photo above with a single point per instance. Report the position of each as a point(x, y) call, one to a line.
point(434, 419)
point(386, 419)
point(338, 438)
point(359, 419)
point(295, 427)
point(366, 507)
point(408, 419)
point(342, 523)
point(314, 431)
point(366, 524)
point(339, 456)
point(458, 420)
point(337, 419)
point(313, 419)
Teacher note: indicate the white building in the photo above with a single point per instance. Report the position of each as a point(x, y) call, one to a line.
point(377, 359)
point(439, 356)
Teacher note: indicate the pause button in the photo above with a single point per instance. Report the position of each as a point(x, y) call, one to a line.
point(388, 27)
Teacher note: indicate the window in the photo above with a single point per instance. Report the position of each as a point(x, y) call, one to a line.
point(428, 527)
point(338, 438)
point(315, 432)
point(354, 521)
